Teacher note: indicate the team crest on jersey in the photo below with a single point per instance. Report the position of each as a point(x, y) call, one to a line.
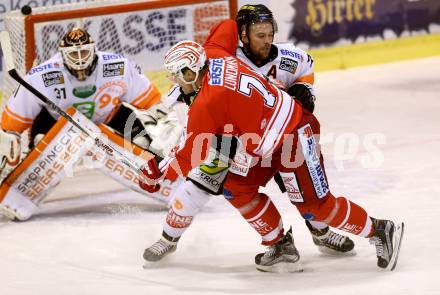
point(84, 91)
point(52, 78)
point(288, 65)
point(216, 69)
point(113, 69)
point(86, 108)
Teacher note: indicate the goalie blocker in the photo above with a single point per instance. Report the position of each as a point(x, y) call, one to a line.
point(54, 157)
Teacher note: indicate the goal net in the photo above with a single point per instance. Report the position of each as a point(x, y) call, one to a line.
point(140, 30)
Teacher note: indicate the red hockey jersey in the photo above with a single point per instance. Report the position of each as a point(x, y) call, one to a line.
point(233, 99)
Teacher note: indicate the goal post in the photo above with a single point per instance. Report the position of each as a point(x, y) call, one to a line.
point(140, 30)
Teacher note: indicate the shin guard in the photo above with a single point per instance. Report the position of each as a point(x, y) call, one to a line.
point(260, 212)
point(340, 213)
point(186, 202)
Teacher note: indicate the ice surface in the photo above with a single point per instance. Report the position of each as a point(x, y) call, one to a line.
point(94, 244)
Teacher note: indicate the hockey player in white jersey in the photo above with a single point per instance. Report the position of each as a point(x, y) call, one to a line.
point(108, 93)
point(290, 68)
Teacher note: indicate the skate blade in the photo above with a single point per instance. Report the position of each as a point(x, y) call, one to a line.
point(397, 242)
point(331, 252)
point(281, 267)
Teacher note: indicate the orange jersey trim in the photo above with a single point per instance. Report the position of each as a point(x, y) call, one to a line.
point(13, 122)
point(307, 79)
point(148, 98)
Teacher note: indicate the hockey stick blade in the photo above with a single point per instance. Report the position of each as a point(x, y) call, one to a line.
point(9, 61)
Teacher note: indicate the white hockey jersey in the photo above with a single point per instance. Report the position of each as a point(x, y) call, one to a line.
point(286, 63)
point(114, 80)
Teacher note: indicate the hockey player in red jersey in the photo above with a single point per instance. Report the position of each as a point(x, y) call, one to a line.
point(232, 100)
point(290, 67)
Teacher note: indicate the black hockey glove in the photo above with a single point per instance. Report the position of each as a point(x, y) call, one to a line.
point(303, 92)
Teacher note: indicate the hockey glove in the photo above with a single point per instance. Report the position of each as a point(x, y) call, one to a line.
point(162, 130)
point(10, 153)
point(151, 174)
point(303, 92)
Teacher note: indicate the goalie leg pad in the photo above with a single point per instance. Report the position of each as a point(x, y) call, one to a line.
point(44, 167)
point(188, 200)
point(15, 206)
point(123, 174)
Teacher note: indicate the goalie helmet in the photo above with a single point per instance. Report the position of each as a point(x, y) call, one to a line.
point(185, 54)
point(78, 51)
point(252, 14)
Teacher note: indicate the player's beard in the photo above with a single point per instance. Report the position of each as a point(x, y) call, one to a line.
point(262, 53)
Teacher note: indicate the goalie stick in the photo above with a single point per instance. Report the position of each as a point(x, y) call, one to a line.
point(10, 68)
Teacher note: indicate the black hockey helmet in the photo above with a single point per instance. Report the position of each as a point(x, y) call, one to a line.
point(78, 51)
point(251, 14)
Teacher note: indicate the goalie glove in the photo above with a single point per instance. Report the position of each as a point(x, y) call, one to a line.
point(162, 130)
point(10, 152)
point(164, 135)
point(304, 93)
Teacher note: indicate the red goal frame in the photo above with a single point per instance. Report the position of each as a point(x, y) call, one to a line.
point(30, 20)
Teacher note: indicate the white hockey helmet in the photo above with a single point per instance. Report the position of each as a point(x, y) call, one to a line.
point(78, 50)
point(185, 54)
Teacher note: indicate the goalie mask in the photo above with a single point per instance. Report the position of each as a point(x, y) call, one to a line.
point(253, 14)
point(185, 55)
point(78, 51)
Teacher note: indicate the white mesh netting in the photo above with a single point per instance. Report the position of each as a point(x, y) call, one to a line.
point(140, 33)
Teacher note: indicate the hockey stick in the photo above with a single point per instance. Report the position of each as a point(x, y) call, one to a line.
point(10, 68)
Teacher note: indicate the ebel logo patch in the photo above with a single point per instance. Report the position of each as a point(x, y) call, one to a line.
point(216, 69)
point(53, 78)
point(113, 69)
point(288, 65)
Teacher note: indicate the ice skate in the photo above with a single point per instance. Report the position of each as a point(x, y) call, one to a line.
point(282, 257)
point(330, 242)
point(387, 238)
point(166, 245)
